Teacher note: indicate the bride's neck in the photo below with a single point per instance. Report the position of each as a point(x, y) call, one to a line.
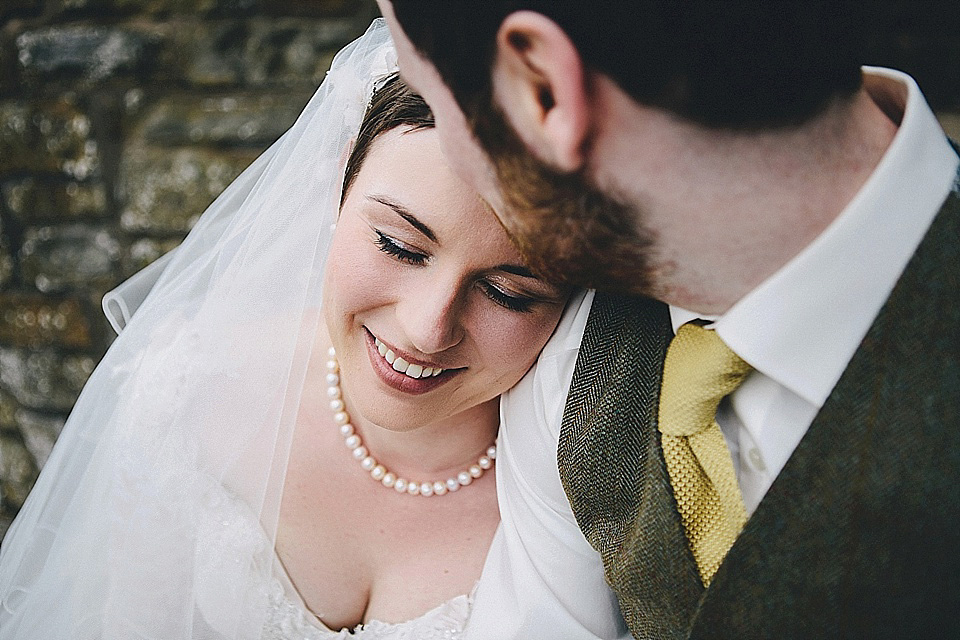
point(442, 447)
point(432, 450)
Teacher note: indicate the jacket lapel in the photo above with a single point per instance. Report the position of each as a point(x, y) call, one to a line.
point(613, 470)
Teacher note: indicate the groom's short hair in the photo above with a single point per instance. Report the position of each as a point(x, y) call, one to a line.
point(741, 64)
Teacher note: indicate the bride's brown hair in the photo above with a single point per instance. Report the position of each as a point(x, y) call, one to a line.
point(392, 105)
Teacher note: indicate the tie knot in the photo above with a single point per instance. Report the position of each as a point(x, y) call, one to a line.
point(698, 372)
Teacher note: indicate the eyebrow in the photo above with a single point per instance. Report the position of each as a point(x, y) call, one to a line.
point(516, 270)
point(406, 214)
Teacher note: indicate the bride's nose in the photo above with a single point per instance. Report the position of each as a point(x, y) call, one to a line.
point(431, 316)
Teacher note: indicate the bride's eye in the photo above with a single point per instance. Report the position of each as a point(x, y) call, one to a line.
point(396, 249)
point(509, 301)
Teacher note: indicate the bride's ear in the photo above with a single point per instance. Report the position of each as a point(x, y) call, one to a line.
point(540, 83)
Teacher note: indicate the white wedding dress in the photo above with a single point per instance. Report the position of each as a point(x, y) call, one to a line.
point(231, 530)
point(289, 619)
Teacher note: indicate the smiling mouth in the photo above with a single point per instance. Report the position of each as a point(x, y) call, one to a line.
point(400, 374)
point(408, 369)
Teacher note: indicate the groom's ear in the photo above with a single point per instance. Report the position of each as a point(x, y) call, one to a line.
point(540, 83)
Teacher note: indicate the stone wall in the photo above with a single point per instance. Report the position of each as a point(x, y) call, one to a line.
point(121, 119)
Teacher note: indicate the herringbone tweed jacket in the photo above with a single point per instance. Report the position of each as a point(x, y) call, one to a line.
point(859, 536)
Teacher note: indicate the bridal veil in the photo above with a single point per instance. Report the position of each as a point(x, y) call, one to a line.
point(155, 516)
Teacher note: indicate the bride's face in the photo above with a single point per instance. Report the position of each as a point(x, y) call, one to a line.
point(421, 266)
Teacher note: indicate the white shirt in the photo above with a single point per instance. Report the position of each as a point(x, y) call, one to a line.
point(801, 326)
point(799, 330)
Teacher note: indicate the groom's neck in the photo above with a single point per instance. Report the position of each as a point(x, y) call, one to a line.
point(728, 209)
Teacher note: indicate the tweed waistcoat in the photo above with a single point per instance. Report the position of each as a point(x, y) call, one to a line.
point(859, 536)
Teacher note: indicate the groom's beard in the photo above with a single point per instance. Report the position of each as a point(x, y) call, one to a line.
point(568, 230)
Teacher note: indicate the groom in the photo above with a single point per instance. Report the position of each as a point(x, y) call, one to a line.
point(795, 223)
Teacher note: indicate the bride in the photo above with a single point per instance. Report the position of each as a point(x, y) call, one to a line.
point(291, 436)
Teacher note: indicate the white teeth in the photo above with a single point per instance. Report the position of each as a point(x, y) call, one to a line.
point(399, 364)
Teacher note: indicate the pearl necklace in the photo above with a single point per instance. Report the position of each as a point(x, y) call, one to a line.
point(376, 470)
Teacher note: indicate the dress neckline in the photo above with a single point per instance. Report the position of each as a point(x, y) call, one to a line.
point(293, 594)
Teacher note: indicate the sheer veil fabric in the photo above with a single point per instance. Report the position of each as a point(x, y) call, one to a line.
point(155, 516)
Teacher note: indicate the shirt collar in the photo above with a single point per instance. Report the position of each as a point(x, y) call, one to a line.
point(802, 325)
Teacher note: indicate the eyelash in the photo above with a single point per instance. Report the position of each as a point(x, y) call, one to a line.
point(388, 245)
point(521, 304)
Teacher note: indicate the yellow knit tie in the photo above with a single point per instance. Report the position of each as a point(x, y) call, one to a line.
point(698, 372)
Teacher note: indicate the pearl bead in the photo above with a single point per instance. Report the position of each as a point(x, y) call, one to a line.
point(379, 472)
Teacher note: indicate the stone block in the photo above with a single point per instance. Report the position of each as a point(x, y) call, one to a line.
point(17, 471)
point(83, 6)
point(40, 433)
point(33, 320)
point(32, 200)
point(16, 7)
point(258, 52)
point(225, 121)
point(317, 7)
point(50, 136)
point(291, 52)
point(71, 256)
point(8, 65)
point(142, 252)
point(86, 52)
point(190, 7)
point(44, 380)
point(163, 190)
point(8, 412)
point(215, 52)
point(6, 262)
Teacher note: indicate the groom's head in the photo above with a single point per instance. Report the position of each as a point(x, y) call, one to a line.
point(536, 81)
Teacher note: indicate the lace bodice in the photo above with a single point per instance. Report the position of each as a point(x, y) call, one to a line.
point(231, 532)
point(288, 619)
